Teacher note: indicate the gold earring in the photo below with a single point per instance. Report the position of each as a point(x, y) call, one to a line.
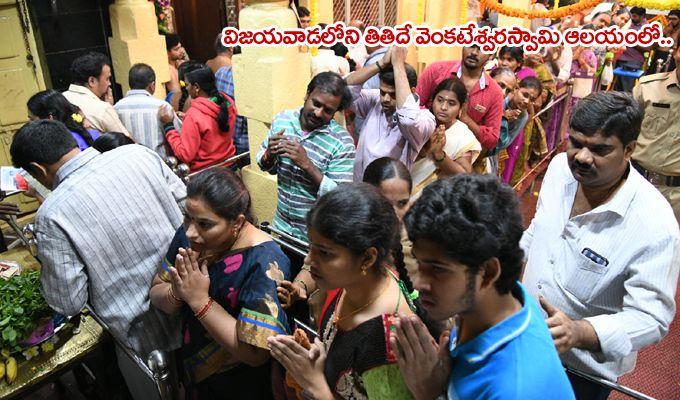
point(363, 271)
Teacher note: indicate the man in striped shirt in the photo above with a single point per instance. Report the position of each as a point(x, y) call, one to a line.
point(138, 110)
point(309, 151)
point(102, 234)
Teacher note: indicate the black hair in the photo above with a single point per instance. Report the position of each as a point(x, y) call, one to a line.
point(219, 46)
point(333, 84)
point(44, 142)
point(171, 40)
point(204, 77)
point(453, 84)
point(384, 168)
point(185, 68)
point(674, 12)
point(87, 65)
point(341, 50)
point(472, 218)
point(638, 11)
point(111, 140)
point(608, 113)
point(50, 103)
point(516, 53)
point(223, 191)
point(531, 82)
point(140, 76)
point(303, 12)
point(387, 76)
point(358, 217)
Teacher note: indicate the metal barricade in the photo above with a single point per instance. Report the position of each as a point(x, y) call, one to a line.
point(182, 170)
point(299, 247)
point(610, 385)
point(530, 176)
point(156, 368)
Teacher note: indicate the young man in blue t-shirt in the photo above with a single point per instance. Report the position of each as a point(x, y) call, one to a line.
point(465, 232)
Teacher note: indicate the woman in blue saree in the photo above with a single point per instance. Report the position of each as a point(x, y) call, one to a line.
point(220, 274)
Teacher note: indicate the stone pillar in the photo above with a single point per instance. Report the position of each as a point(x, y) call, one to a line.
point(135, 39)
point(438, 14)
point(267, 80)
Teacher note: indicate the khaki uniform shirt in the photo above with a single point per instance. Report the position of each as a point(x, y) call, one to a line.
point(658, 146)
point(101, 114)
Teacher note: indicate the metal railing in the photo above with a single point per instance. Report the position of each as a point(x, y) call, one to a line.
point(297, 246)
point(610, 385)
point(156, 368)
point(182, 169)
point(559, 143)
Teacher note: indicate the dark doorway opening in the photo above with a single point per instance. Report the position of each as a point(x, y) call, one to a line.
point(198, 22)
point(66, 29)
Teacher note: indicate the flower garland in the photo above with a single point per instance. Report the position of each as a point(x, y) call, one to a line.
point(552, 14)
point(163, 10)
point(654, 4)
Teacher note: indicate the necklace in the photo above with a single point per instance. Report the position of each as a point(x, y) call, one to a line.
point(332, 326)
point(338, 318)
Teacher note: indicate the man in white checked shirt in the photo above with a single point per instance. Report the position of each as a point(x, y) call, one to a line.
point(102, 234)
point(603, 249)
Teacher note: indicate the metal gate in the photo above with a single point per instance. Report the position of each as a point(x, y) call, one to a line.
point(371, 12)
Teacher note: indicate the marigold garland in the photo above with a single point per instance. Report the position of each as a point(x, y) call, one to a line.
point(654, 4)
point(560, 12)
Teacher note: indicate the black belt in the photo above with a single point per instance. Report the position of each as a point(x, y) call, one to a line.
point(655, 178)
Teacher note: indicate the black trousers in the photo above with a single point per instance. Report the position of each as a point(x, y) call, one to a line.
point(587, 390)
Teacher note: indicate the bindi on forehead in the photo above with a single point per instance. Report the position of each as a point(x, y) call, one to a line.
point(447, 98)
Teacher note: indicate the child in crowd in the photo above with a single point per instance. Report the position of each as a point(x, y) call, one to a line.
point(513, 59)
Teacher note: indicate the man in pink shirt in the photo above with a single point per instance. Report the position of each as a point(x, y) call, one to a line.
point(485, 98)
point(394, 124)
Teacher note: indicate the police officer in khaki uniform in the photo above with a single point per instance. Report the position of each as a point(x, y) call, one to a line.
point(657, 155)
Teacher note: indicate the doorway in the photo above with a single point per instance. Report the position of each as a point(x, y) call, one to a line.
point(198, 22)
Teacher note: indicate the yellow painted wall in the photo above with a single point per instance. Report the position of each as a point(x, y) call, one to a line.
point(504, 20)
point(407, 11)
point(19, 80)
point(438, 14)
point(135, 39)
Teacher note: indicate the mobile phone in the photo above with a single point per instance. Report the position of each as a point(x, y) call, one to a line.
point(311, 333)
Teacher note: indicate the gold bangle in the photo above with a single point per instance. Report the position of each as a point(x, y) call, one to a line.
point(173, 298)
